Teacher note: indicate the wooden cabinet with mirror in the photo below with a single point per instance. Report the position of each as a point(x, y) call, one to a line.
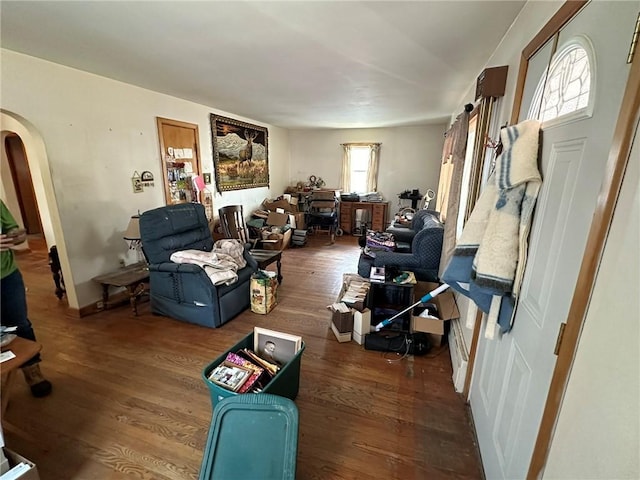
point(180, 159)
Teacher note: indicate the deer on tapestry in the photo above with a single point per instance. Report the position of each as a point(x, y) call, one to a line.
point(245, 154)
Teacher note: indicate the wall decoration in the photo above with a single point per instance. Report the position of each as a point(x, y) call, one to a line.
point(147, 179)
point(136, 183)
point(240, 154)
point(207, 178)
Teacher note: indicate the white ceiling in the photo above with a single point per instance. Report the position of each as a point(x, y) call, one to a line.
point(294, 64)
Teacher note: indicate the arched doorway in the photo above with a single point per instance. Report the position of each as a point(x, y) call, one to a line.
point(37, 162)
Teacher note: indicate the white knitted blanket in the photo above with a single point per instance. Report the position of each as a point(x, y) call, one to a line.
point(489, 259)
point(220, 264)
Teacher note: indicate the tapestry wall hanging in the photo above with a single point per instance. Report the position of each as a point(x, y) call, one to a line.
point(240, 154)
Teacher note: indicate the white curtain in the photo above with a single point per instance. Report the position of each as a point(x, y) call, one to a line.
point(372, 171)
point(372, 168)
point(345, 178)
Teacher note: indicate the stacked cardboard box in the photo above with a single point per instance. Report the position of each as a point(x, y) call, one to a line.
point(349, 318)
point(18, 467)
point(280, 216)
point(342, 322)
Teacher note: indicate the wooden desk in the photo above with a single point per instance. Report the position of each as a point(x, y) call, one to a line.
point(267, 257)
point(376, 215)
point(131, 277)
point(23, 350)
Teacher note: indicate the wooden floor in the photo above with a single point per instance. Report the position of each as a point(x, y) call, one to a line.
point(129, 402)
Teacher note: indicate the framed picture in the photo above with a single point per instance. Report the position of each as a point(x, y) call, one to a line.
point(230, 376)
point(240, 154)
point(276, 347)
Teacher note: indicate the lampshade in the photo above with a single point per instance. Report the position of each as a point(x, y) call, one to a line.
point(133, 229)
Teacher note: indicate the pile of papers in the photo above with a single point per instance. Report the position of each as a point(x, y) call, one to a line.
point(371, 197)
point(356, 292)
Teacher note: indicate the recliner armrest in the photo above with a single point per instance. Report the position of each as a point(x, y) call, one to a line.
point(251, 262)
point(402, 234)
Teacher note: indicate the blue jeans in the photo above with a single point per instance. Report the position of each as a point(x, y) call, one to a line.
point(13, 309)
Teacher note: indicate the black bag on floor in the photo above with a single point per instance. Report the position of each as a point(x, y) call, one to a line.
point(412, 343)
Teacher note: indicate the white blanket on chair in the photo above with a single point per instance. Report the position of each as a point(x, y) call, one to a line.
point(220, 264)
point(489, 259)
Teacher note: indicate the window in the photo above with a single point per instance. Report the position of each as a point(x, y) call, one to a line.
point(360, 167)
point(565, 89)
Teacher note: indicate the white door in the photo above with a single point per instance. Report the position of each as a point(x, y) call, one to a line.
point(512, 373)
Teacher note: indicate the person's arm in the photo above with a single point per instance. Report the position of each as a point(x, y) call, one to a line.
point(12, 238)
point(11, 234)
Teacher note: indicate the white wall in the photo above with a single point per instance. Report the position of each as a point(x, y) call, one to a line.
point(409, 157)
point(97, 132)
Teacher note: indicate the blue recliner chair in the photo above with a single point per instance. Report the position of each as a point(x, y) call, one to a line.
point(424, 259)
point(184, 291)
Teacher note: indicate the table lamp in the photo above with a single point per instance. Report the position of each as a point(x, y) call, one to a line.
point(132, 235)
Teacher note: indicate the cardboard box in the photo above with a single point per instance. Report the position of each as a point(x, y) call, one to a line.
point(279, 243)
point(433, 326)
point(446, 309)
point(361, 325)
point(300, 221)
point(14, 459)
point(4, 462)
point(283, 239)
point(340, 336)
point(272, 205)
point(343, 321)
point(277, 219)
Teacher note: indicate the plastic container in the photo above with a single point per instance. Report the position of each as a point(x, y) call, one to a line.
point(252, 437)
point(285, 383)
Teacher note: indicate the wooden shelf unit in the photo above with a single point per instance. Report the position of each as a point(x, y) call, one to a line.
point(377, 215)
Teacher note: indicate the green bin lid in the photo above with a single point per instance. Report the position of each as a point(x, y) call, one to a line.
point(252, 436)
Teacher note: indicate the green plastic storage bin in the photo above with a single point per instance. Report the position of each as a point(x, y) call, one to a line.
point(285, 383)
point(252, 437)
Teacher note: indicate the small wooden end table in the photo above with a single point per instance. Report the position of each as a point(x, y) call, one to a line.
point(23, 350)
point(267, 257)
point(132, 277)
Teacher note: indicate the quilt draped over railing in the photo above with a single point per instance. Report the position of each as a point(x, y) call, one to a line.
point(489, 259)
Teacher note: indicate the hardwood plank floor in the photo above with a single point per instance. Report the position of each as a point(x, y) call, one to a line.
point(129, 401)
